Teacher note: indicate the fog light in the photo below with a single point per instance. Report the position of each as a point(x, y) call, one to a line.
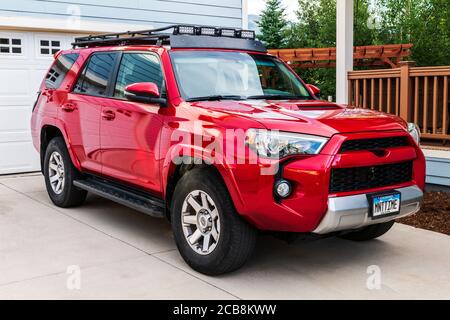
point(283, 188)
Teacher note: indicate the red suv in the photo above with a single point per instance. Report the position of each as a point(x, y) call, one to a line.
point(202, 126)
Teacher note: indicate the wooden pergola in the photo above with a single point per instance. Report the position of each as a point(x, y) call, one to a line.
point(383, 56)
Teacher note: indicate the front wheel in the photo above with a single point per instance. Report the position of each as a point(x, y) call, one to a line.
point(211, 237)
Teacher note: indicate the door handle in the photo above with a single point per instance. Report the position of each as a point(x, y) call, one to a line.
point(108, 115)
point(48, 93)
point(68, 107)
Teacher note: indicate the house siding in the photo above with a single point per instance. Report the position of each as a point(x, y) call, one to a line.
point(438, 166)
point(148, 13)
point(438, 171)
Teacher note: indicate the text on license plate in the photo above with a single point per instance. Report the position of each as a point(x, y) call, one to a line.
point(385, 204)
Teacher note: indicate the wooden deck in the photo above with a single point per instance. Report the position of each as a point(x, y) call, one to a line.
point(419, 95)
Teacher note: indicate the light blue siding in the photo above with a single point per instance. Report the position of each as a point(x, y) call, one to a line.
point(146, 12)
point(438, 171)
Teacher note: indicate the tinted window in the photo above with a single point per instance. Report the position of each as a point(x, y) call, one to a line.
point(138, 67)
point(96, 74)
point(207, 73)
point(59, 70)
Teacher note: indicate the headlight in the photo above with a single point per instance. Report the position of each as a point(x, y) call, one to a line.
point(278, 144)
point(414, 131)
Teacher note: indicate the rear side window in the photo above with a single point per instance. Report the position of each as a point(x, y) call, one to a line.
point(59, 70)
point(138, 67)
point(96, 75)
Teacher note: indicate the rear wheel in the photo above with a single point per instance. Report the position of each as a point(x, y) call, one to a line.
point(59, 174)
point(369, 233)
point(211, 237)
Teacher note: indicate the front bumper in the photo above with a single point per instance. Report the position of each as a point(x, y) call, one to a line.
point(311, 207)
point(352, 212)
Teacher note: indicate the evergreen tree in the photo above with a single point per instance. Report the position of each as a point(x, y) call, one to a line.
point(273, 25)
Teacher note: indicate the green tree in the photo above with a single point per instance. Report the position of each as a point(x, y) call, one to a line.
point(364, 33)
point(424, 23)
point(273, 25)
point(316, 28)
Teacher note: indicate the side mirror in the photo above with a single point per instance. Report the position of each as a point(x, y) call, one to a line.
point(146, 92)
point(315, 91)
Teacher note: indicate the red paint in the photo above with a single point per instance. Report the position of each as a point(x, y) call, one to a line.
point(146, 88)
point(314, 90)
point(131, 142)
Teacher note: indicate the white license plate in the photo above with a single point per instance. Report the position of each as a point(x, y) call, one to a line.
point(385, 204)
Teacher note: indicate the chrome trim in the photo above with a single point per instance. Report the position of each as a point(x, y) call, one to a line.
point(352, 212)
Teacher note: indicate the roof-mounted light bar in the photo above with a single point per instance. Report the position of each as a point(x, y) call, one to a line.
point(247, 34)
point(213, 32)
point(185, 30)
point(208, 31)
point(162, 36)
point(231, 33)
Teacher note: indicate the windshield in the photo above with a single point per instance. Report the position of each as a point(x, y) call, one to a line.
point(234, 75)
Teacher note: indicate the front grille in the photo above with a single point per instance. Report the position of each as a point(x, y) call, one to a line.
point(373, 144)
point(360, 178)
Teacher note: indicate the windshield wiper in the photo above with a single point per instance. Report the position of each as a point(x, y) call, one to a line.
point(216, 98)
point(236, 97)
point(278, 97)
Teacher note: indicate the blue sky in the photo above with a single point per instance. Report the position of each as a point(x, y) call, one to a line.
point(256, 6)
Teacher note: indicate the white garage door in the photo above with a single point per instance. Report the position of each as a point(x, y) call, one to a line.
point(24, 60)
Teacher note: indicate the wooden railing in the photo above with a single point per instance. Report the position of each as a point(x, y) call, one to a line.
point(419, 95)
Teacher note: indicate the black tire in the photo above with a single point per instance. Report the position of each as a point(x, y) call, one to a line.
point(70, 195)
point(237, 238)
point(369, 233)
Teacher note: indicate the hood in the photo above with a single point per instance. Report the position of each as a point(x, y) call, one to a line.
point(312, 117)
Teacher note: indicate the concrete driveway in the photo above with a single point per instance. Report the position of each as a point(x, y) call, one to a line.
point(123, 254)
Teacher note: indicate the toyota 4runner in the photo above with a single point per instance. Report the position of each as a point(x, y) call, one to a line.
point(200, 125)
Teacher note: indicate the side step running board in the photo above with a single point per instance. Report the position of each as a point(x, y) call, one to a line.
point(139, 201)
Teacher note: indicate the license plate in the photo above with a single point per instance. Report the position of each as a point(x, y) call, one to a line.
point(384, 205)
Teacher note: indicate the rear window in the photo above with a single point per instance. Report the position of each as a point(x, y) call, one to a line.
point(59, 70)
point(96, 75)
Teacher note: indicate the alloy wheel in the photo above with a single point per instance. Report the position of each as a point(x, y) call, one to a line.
point(201, 222)
point(56, 172)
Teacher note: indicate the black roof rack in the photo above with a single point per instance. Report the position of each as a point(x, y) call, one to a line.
point(182, 36)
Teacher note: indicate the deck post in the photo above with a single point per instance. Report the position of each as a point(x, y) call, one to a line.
point(405, 90)
point(344, 48)
point(244, 14)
